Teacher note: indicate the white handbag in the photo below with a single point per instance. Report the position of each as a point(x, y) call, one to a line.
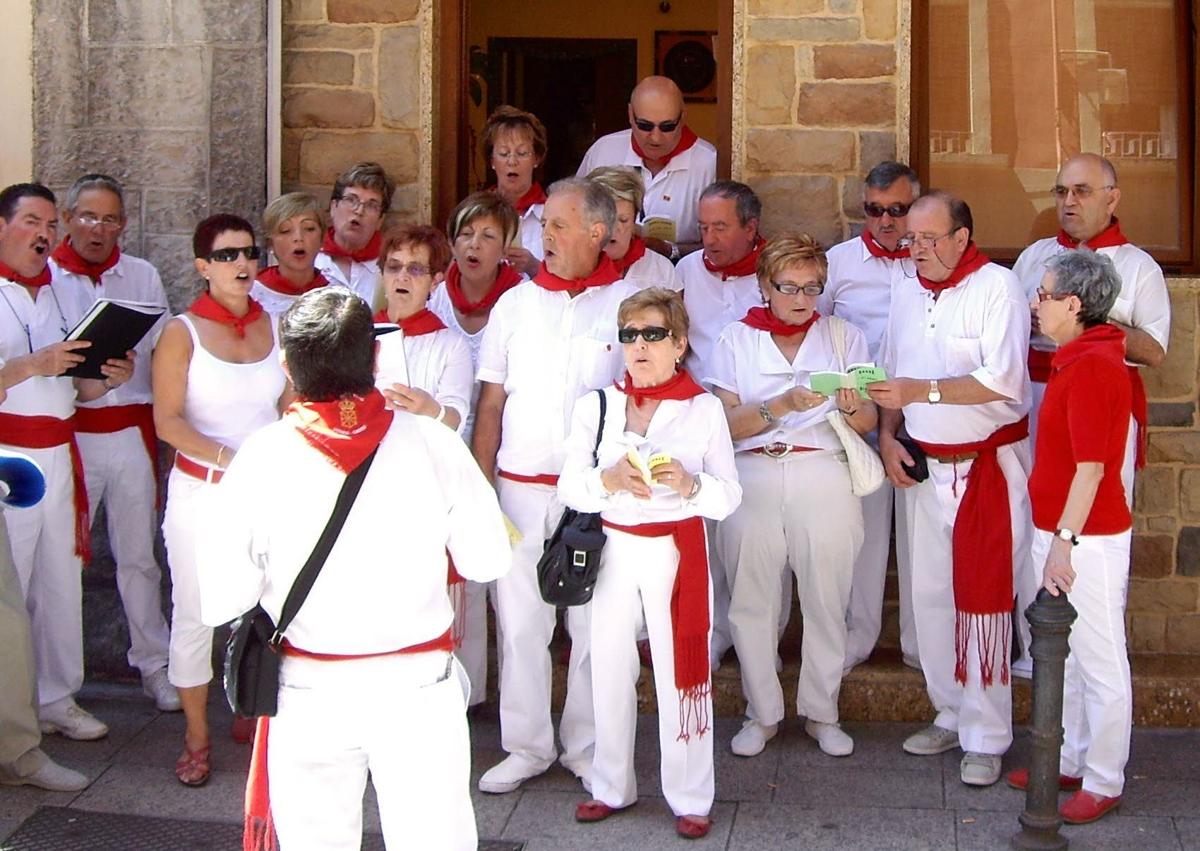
point(866, 468)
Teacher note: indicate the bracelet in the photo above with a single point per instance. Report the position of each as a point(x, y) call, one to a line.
point(107, 386)
point(441, 414)
point(220, 449)
point(850, 413)
point(695, 487)
point(765, 413)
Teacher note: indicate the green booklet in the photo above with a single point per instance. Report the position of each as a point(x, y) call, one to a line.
point(856, 377)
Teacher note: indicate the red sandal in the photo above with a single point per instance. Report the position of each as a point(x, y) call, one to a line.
point(193, 768)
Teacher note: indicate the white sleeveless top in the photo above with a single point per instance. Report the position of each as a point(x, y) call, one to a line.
point(228, 401)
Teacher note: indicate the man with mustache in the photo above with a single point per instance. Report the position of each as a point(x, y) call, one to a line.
point(349, 256)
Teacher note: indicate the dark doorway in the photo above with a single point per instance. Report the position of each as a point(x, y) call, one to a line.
point(578, 88)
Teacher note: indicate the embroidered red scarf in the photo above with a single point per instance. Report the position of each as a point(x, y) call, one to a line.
point(738, 268)
point(207, 307)
point(680, 386)
point(345, 430)
point(507, 277)
point(762, 319)
point(877, 250)
point(41, 279)
point(972, 261)
point(68, 258)
point(637, 250)
point(604, 273)
point(1110, 237)
point(273, 279)
point(369, 253)
point(424, 321)
point(686, 139)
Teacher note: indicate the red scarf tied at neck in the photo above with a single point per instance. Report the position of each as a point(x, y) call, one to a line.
point(739, 268)
point(273, 279)
point(1110, 237)
point(41, 279)
point(686, 139)
point(762, 319)
point(604, 273)
point(424, 321)
point(636, 251)
point(345, 430)
point(369, 253)
point(72, 261)
point(533, 196)
point(207, 307)
point(877, 250)
point(680, 386)
point(972, 261)
point(507, 277)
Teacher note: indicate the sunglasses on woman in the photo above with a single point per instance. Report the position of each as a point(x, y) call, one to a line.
point(651, 334)
point(228, 255)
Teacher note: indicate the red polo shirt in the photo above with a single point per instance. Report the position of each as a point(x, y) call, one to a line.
point(1084, 417)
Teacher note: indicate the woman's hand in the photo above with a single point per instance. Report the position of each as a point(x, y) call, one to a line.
point(847, 401)
point(623, 476)
point(803, 399)
point(522, 260)
point(1058, 575)
point(672, 474)
point(401, 397)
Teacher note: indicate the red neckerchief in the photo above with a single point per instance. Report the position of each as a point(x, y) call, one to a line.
point(535, 194)
point(345, 430)
point(686, 140)
point(273, 279)
point(424, 321)
point(637, 250)
point(972, 261)
point(369, 253)
point(738, 268)
point(877, 250)
point(604, 273)
point(1110, 237)
point(507, 277)
point(207, 307)
point(762, 319)
point(680, 386)
point(41, 279)
point(68, 258)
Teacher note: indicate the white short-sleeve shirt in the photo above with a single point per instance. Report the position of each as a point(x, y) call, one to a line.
point(653, 270)
point(439, 363)
point(858, 288)
point(711, 305)
point(363, 280)
point(27, 325)
point(529, 231)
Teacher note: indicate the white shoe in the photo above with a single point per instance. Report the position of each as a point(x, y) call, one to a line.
point(66, 717)
point(979, 769)
point(157, 687)
point(509, 774)
point(832, 739)
point(52, 777)
point(932, 740)
point(752, 738)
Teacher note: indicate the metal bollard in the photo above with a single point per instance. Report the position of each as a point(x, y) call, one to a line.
point(1050, 620)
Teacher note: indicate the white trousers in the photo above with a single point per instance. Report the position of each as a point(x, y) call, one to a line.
point(1097, 689)
point(119, 474)
point(525, 627)
point(634, 588)
point(722, 633)
point(909, 646)
point(472, 653)
point(190, 653)
point(796, 511)
point(981, 716)
point(43, 549)
point(400, 717)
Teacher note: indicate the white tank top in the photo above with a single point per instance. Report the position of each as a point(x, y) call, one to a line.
point(227, 401)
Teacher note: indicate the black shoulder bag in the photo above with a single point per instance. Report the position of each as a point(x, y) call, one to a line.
point(570, 562)
point(252, 652)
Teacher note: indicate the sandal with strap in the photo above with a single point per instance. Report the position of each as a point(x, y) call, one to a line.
point(193, 768)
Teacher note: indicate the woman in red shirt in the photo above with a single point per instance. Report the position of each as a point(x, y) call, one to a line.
point(1083, 526)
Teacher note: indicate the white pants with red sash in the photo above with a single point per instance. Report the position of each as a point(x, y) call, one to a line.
point(981, 716)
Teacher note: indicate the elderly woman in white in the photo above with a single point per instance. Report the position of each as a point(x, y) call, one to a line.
point(627, 248)
point(799, 511)
point(654, 567)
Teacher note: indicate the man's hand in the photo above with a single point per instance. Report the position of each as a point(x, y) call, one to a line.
point(1058, 575)
point(117, 371)
point(895, 393)
point(414, 400)
point(57, 358)
point(623, 476)
point(895, 456)
point(522, 260)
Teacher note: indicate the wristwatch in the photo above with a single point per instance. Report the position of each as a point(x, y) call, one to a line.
point(675, 252)
point(1067, 535)
point(935, 395)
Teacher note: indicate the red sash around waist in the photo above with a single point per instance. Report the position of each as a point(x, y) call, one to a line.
point(116, 418)
point(539, 479)
point(44, 433)
point(982, 553)
point(1040, 362)
point(1141, 413)
point(690, 619)
point(197, 470)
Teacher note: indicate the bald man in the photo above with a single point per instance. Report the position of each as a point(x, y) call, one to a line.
point(674, 163)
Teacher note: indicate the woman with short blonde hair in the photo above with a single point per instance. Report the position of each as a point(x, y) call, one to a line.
point(626, 247)
point(293, 228)
point(514, 142)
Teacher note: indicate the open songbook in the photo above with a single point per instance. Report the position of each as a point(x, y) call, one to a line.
point(856, 377)
point(113, 327)
point(645, 466)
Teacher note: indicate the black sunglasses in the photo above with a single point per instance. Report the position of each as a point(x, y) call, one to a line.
point(665, 126)
point(228, 255)
point(651, 334)
point(896, 211)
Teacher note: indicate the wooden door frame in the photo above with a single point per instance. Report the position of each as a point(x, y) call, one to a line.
point(450, 155)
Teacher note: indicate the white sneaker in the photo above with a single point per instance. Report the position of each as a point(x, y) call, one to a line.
point(832, 738)
point(509, 774)
point(932, 740)
point(752, 738)
point(157, 687)
point(66, 717)
point(979, 769)
point(52, 777)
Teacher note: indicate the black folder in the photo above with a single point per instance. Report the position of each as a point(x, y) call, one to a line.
point(113, 327)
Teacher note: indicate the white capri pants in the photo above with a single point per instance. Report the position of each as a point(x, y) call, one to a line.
point(190, 655)
point(796, 511)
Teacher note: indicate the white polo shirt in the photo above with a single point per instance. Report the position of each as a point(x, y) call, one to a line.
point(858, 288)
point(439, 363)
point(363, 280)
point(27, 325)
point(131, 279)
point(674, 193)
point(711, 305)
point(979, 328)
point(746, 361)
point(653, 270)
point(548, 349)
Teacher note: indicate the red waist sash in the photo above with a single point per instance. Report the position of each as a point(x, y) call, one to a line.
point(539, 479)
point(1141, 413)
point(114, 418)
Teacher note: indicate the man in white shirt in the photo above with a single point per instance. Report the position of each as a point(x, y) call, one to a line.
point(859, 290)
point(349, 255)
point(116, 432)
point(674, 163)
point(955, 346)
point(548, 342)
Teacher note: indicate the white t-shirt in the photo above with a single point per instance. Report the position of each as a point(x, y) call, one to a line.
point(439, 363)
point(858, 288)
point(711, 305)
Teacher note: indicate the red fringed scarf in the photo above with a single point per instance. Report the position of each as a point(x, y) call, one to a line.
point(345, 430)
point(424, 321)
point(877, 250)
point(604, 273)
point(1141, 413)
point(69, 259)
point(762, 319)
point(637, 250)
point(686, 139)
point(739, 268)
point(1110, 237)
point(272, 278)
point(207, 307)
point(369, 253)
point(506, 278)
point(41, 279)
point(982, 554)
point(534, 195)
point(680, 386)
point(972, 261)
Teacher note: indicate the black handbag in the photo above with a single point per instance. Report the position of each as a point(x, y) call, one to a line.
point(919, 471)
point(570, 561)
point(252, 654)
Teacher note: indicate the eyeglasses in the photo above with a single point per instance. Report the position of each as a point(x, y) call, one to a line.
point(1081, 190)
point(512, 155)
point(1045, 296)
point(922, 241)
point(651, 334)
point(794, 289)
point(896, 211)
point(413, 270)
point(90, 221)
point(228, 255)
point(665, 126)
point(355, 203)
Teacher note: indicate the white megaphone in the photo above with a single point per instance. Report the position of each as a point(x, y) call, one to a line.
point(22, 482)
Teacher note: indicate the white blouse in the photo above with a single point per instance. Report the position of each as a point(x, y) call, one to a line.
point(439, 363)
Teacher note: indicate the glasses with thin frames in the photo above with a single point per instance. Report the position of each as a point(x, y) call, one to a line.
point(1044, 296)
point(909, 240)
point(228, 255)
point(648, 126)
point(412, 270)
point(90, 221)
point(794, 289)
point(1081, 190)
point(523, 154)
point(355, 203)
point(651, 334)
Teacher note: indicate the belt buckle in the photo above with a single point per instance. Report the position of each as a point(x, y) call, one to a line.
point(777, 450)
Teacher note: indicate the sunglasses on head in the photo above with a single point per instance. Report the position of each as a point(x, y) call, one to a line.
point(648, 126)
point(651, 334)
point(228, 255)
point(896, 211)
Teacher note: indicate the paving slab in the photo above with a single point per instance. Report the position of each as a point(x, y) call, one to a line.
point(1188, 830)
point(1161, 797)
point(789, 828)
point(839, 786)
point(981, 831)
point(152, 791)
